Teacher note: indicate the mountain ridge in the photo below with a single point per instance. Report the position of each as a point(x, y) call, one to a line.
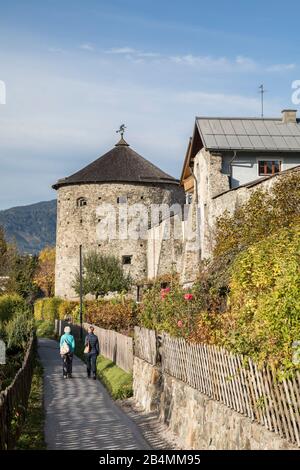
point(32, 227)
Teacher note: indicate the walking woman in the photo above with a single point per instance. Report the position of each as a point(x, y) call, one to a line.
point(67, 348)
point(92, 351)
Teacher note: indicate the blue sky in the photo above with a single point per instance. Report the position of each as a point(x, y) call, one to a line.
point(74, 71)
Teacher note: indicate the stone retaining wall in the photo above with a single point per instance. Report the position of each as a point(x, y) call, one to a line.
point(198, 421)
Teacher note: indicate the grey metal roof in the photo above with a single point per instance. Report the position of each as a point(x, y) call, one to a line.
point(249, 134)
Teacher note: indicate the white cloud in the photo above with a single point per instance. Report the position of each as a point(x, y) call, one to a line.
point(131, 52)
point(87, 47)
point(56, 50)
point(280, 67)
point(246, 63)
point(239, 63)
point(121, 50)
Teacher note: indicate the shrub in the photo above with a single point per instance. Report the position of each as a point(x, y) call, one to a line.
point(263, 319)
point(117, 314)
point(47, 309)
point(44, 329)
point(66, 309)
point(38, 309)
point(265, 213)
point(9, 303)
point(171, 309)
point(19, 330)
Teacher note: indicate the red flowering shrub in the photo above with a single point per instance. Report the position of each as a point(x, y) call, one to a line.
point(170, 309)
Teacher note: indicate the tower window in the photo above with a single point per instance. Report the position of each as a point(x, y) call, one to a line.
point(81, 201)
point(126, 259)
point(121, 200)
point(188, 198)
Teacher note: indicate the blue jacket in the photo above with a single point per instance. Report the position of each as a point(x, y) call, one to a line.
point(69, 339)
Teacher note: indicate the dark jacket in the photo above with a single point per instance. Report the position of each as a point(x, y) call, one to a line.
point(94, 343)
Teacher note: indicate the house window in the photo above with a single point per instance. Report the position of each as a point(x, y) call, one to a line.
point(269, 167)
point(81, 201)
point(122, 200)
point(126, 259)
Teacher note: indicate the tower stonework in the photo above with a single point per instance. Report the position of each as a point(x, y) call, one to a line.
point(121, 175)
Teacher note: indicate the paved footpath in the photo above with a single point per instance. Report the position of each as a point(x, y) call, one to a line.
point(79, 412)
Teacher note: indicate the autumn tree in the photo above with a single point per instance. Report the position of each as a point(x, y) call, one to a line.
point(45, 274)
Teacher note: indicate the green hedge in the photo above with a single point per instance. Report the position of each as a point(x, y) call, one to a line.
point(67, 308)
point(47, 309)
point(9, 304)
point(45, 329)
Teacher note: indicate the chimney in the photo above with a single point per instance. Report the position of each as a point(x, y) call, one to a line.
point(289, 115)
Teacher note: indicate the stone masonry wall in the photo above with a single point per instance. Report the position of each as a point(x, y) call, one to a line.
point(198, 421)
point(77, 226)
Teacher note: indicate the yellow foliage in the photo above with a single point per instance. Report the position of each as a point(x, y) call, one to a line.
point(45, 275)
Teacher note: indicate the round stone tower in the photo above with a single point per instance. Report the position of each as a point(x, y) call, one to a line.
point(118, 178)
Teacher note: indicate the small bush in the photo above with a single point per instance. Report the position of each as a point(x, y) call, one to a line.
point(38, 309)
point(9, 303)
point(75, 314)
point(117, 314)
point(47, 309)
point(171, 309)
point(44, 329)
point(66, 309)
point(19, 330)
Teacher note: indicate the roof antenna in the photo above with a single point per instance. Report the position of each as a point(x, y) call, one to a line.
point(262, 91)
point(121, 130)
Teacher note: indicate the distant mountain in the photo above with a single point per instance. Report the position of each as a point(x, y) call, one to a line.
point(31, 227)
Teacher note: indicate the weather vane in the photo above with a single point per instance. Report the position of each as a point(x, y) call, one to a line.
point(121, 130)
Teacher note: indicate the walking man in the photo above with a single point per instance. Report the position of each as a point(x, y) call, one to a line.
point(92, 351)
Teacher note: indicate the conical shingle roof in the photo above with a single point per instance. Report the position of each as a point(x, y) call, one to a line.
point(120, 164)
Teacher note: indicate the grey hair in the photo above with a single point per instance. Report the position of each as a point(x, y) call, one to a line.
point(67, 329)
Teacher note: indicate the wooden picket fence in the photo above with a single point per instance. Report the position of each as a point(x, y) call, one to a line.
point(145, 344)
point(114, 346)
point(14, 400)
point(233, 380)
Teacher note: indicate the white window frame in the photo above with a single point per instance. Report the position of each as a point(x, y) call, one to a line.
point(269, 159)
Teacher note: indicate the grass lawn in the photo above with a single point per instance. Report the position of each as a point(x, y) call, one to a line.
point(32, 437)
point(116, 380)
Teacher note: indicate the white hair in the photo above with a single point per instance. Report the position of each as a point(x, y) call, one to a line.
point(67, 329)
